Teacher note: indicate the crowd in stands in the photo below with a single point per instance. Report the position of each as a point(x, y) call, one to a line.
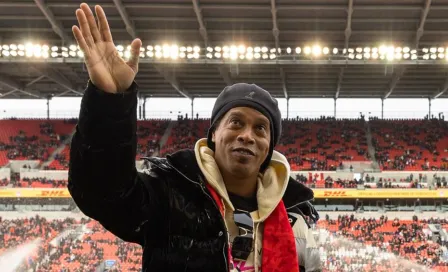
point(315, 180)
point(41, 183)
point(373, 245)
point(324, 143)
point(411, 144)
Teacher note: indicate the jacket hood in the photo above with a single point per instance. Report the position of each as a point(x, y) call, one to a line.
point(271, 185)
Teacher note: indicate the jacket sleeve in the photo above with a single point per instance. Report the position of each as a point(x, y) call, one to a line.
point(309, 256)
point(103, 179)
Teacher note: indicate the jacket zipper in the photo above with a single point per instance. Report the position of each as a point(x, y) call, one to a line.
point(217, 208)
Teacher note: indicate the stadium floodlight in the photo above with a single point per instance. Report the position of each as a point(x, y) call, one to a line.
point(406, 49)
point(233, 48)
point(367, 55)
point(426, 56)
point(359, 56)
point(272, 50)
point(45, 55)
point(54, 54)
point(189, 55)
point(374, 55)
point(149, 48)
point(413, 57)
point(425, 50)
point(326, 50)
point(335, 51)
point(150, 54)
point(72, 47)
point(142, 49)
point(249, 55)
point(13, 53)
point(398, 56)
point(288, 50)
point(366, 49)
point(382, 50)
point(166, 54)
point(182, 55)
point(158, 54)
point(80, 54)
point(120, 48)
point(272, 56)
point(257, 55)
point(250, 49)
point(307, 50)
point(209, 49)
point(406, 55)
point(142, 55)
point(183, 49)
point(218, 49)
point(5, 53)
point(13, 47)
point(390, 56)
point(414, 51)
point(433, 56)
point(175, 55)
point(433, 50)
point(317, 50)
point(398, 49)
point(54, 48)
point(217, 55)
point(265, 56)
point(441, 50)
point(359, 50)
point(21, 53)
point(196, 49)
point(226, 55)
point(158, 48)
point(241, 49)
point(21, 47)
point(233, 55)
point(351, 50)
point(351, 56)
point(242, 57)
point(298, 50)
point(5, 47)
point(264, 49)
point(225, 48)
point(46, 47)
point(196, 55)
point(441, 56)
point(257, 49)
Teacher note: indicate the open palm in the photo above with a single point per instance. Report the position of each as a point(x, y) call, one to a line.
point(107, 70)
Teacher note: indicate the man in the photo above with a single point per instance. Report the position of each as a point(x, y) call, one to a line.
point(227, 205)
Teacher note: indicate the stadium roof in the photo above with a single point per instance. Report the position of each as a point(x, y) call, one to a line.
point(417, 24)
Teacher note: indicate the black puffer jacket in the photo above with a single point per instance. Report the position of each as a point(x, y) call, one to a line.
point(167, 209)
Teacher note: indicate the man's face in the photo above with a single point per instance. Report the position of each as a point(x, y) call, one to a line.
point(242, 140)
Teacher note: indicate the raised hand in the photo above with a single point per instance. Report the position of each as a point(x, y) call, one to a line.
point(107, 70)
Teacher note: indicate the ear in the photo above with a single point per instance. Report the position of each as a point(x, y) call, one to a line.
point(213, 136)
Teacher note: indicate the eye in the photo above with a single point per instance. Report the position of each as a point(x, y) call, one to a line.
point(235, 122)
point(261, 127)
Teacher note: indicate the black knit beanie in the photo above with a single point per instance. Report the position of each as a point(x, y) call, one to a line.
point(252, 96)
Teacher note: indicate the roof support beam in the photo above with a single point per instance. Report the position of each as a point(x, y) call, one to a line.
point(338, 88)
point(348, 28)
point(275, 30)
point(202, 28)
point(285, 89)
point(442, 90)
point(421, 26)
point(57, 26)
point(15, 86)
point(130, 28)
point(171, 78)
point(57, 78)
point(34, 81)
point(393, 83)
point(225, 75)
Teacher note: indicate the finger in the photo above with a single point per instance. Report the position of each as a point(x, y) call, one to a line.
point(92, 23)
point(135, 54)
point(103, 24)
point(80, 39)
point(84, 26)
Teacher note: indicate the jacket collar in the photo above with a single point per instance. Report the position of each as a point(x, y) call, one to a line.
point(185, 162)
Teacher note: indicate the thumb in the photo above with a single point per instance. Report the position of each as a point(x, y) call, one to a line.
point(135, 54)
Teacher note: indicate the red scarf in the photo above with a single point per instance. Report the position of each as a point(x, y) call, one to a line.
point(279, 245)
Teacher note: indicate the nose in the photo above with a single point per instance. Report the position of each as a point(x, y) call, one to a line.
point(246, 137)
